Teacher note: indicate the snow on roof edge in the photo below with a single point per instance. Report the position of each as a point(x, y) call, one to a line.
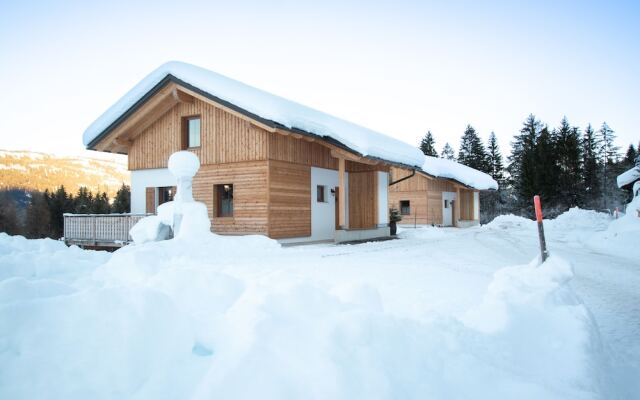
point(628, 177)
point(265, 105)
point(443, 168)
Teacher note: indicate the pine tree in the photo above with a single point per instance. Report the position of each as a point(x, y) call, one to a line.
point(472, 152)
point(58, 202)
point(630, 156)
point(427, 145)
point(608, 154)
point(83, 202)
point(37, 224)
point(494, 160)
point(568, 155)
point(100, 204)
point(122, 201)
point(545, 170)
point(522, 162)
point(590, 167)
point(447, 152)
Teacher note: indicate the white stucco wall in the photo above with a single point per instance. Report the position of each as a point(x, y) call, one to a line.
point(323, 215)
point(144, 178)
point(383, 202)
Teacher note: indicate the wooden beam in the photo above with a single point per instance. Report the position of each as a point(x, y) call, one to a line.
point(342, 203)
point(180, 96)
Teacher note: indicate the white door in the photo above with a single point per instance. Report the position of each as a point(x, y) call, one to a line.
point(448, 199)
point(323, 205)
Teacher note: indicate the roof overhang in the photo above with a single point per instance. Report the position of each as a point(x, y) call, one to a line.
point(171, 90)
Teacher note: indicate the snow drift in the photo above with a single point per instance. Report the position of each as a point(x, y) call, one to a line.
point(243, 318)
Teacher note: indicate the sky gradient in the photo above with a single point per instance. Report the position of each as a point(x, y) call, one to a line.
point(401, 68)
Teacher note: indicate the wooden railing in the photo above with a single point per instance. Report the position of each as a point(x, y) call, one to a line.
point(99, 230)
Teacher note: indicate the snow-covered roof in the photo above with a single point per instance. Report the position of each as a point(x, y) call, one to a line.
point(628, 177)
point(443, 168)
point(264, 105)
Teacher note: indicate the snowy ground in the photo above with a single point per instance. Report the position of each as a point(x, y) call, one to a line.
point(440, 313)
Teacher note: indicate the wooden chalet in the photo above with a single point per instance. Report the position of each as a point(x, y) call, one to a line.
point(259, 175)
point(447, 195)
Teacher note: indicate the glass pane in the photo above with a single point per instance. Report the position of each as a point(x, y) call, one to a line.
point(320, 194)
point(194, 132)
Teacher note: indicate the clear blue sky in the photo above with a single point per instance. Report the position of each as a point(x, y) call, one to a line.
point(397, 67)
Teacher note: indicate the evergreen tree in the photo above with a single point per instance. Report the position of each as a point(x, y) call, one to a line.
point(545, 170)
point(522, 162)
point(38, 219)
point(568, 155)
point(83, 202)
point(100, 204)
point(630, 157)
point(608, 154)
point(494, 160)
point(8, 214)
point(122, 201)
point(472, 152)
point(590, 168)
point(427, 145)
point(58, 202)
point(447, 152)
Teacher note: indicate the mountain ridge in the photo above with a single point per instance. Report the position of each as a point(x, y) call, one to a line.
point(30, 170)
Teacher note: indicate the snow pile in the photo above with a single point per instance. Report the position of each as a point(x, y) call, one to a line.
point(576, 225)
point(267, 106)
point(443, 168)
point(622, 236)
point(243, 318)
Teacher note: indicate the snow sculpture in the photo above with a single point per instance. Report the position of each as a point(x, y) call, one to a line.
point(184, 216)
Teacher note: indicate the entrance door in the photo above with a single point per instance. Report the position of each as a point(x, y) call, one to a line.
point(448, 201)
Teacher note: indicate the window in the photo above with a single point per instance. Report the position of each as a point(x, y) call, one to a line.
point(321, 194)
point(165, 194)
point(191, 132)
point(405, 207)
point(223, 199)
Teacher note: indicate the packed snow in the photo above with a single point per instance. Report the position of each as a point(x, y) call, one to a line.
point(267, 106)
point(443, 168)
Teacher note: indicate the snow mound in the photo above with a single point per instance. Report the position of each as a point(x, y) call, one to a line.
point(443, 168)
point(224, 313)
point(510, 221)
point(622, 236)
point(267, 106)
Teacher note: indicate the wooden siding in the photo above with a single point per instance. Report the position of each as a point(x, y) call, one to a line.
point(150, 200)
point(466, 205)
point(225, 138)
point(299, 151)
point(424, 194)
point(250, 200)
point(363, 200)
point(289, 200)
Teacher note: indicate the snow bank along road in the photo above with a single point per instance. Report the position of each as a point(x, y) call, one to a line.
point(441, 314)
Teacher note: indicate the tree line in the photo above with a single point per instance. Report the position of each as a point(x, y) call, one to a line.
point(565, 165)
point(36, 215)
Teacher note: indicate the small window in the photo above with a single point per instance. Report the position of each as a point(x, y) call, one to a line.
point(191, 132)
point(223, 200)
point(321, 194)
point(165, 194)
point(446, 204)
point(405, 207)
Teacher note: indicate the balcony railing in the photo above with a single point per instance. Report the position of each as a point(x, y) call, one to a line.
point(99, 230)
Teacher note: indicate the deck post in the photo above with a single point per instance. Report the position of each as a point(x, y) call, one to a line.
point(342, 198)
point(456, 217)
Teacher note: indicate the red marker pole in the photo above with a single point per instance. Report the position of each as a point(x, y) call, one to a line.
point(543, 244)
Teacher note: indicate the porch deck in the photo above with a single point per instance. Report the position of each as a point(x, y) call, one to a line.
point(99, 230)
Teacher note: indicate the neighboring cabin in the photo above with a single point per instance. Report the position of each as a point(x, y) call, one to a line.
point(269, 166)
point(442, 193)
